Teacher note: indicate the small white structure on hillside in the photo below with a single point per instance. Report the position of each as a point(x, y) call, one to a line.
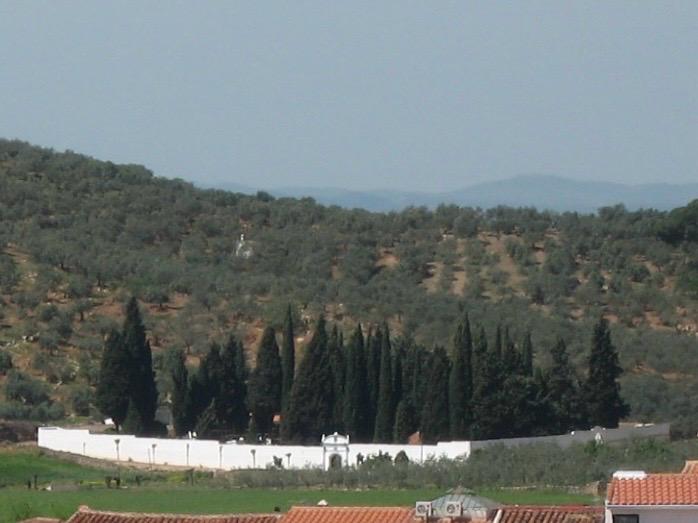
point(242, 248)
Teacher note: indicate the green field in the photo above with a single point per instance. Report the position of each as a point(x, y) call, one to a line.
point(74, 485)
point(19, 466)
point(18, 504)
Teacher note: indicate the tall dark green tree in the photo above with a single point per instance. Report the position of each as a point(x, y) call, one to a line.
point(435, 420)
point(143, 392)
point(181, 397)
point(563, 393)
point(406, 421)
point(112, 396)
point(519, 408)
point(498, 342)
point(355, 389)
point(460, 381)
point(374, 343)
point(335, 346)
point(385, 408)
point(512, 362)
point(311, 410)
point(134, 422)
point(209, 378)
point(399, 354)
point(266, 383)
point(606, 407)
point(288, 359)
point(480, 352)
point(232, 406)
point(527, 355)
point(414, 374)
point(489, 400)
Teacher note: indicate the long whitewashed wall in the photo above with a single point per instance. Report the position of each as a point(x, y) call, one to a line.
point(214, 455)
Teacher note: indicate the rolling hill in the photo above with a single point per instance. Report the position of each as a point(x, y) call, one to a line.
point(79, 236)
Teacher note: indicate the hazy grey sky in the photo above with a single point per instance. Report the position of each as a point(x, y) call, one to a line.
point(412, 95)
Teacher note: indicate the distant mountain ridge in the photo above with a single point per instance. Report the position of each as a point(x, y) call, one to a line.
point(554, 193)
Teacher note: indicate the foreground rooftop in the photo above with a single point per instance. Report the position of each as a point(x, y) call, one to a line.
point(87, 515)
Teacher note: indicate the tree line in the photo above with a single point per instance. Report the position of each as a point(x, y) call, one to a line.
point(373, 386)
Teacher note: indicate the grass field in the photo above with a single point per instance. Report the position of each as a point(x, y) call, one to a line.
point(17, 466)
point(16, 504)
point(74, 485)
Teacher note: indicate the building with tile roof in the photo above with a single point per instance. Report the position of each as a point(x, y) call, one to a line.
point(87, 515)
point(349, 515)
point(547, 514)
point(472, 507)
point(638, 497)
point(474, 511)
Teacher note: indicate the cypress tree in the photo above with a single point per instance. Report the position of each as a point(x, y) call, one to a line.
point(181, 408)
point(311, 409)
point(112, 395)
point(415, 375)
point(206, 421)
point(232, 406)
point(134, 422)
point(480, 351)
point(337, 357)
point(406, 421)
point(489, 400)
point(288, 359)
point(460, 381)
point(197, 402)
point(210, 377)
point(519, 407)
point(143, 392)
point(456, 392)
point(467, 341)
point(606, 407)
point(435, 420)
point(497, 349)
point(385, 409)
point(355, 390)
point(266, 383)
point(512, 362)
point(398, 358)
point(374, 342)
point(562, 391)
point(527, 355)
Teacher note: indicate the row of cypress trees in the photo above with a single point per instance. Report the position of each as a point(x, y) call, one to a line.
point(373, 387)
point(224, 397)
point(383, 390)
point(126, 390)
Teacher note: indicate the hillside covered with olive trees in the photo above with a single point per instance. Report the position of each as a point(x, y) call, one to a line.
point(79, 236)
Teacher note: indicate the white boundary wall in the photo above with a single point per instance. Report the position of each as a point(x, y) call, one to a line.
point(213, 455)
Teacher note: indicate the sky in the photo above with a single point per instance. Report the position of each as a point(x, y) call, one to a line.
point(421, 96)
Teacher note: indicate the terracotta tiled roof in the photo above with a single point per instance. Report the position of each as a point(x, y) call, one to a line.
point(349, 515)
point(562, 514)
point(654, 489)
point(87, 515)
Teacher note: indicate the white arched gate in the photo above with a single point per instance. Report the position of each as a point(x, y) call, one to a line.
point(335, 451)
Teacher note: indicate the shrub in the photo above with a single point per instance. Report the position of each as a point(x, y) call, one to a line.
point(5, 362)
point(47, 312)
point(23, 388)
point(80, 400)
